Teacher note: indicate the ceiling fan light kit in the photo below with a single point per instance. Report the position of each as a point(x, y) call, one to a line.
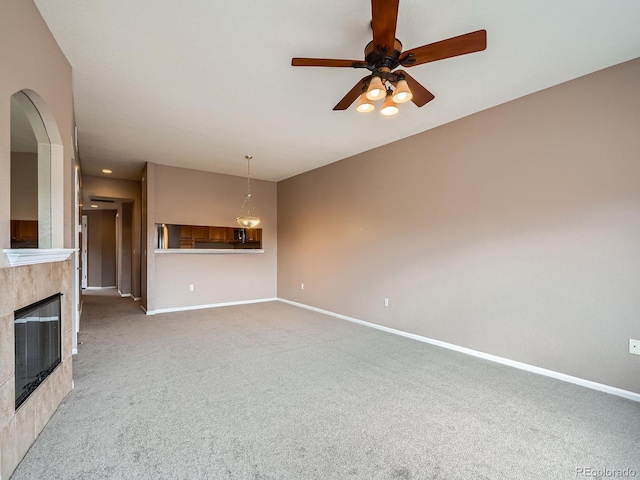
point(384, 54)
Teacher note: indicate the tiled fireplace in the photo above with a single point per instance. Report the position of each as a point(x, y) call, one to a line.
point(23, 286)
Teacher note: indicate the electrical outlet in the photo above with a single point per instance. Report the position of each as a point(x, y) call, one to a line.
point(634, 346)
point(191, 288)
point(302, 286)
point(386, 302)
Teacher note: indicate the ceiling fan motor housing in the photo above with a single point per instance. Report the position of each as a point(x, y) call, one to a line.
point(376, 58)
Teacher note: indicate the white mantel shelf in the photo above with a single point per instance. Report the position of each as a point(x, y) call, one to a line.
point(31, 256)
point(208, 251)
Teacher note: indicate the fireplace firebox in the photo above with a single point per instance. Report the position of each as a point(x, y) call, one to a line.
point(38, 344)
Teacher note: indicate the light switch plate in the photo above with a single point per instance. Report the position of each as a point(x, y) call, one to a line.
point(634, 346)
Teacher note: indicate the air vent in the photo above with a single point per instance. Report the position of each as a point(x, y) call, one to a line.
point(103, 200)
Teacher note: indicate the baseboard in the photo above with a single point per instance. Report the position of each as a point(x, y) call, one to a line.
point(486, 356)
point(124, 295)
point(137, 299)
point(74, 351)
point(211, 305)
point(100, 288)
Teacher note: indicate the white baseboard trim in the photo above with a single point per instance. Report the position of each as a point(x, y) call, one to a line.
point(211, 305)
point(124, 295)
point(487, 356)
point(137, 299)
point(74, 351)
point(100, 288)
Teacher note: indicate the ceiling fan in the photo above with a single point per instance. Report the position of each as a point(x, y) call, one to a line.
point(384, 54)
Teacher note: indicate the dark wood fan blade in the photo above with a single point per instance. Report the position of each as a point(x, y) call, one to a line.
point(384, 14)
point(326, 62)
point(354, 93)
point(421, 96)
point(452, 47)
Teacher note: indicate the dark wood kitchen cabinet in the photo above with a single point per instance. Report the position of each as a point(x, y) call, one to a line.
point(24, 234)
point(218, 234)
point(209, 237)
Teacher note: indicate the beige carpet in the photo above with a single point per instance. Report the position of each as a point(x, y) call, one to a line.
point(271, 391)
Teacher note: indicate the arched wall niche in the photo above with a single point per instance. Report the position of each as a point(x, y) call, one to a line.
point(30, 112)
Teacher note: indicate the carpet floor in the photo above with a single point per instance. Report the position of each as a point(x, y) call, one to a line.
point(272, 391)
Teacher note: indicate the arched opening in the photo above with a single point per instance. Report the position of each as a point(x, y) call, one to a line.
point(36, 183)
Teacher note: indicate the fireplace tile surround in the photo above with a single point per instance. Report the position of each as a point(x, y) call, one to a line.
point(23, 285)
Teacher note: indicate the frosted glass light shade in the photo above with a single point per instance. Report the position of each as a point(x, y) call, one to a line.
point(248, 222)
point(388, 107)
point(376, 90)
point(364, 104)
point(402, 93)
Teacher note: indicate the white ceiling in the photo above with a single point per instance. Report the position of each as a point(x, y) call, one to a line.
point(202, 83)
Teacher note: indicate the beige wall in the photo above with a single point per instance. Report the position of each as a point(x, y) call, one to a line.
point(30, 59)
point(125, 267)
point(147, 277)
point(183, 196)
point(101, 248)
point(514, 231)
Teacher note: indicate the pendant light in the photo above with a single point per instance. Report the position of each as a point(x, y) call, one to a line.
point(247, 217)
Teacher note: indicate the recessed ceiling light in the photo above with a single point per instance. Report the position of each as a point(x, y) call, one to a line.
point(93, 205)
point(106, 170)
